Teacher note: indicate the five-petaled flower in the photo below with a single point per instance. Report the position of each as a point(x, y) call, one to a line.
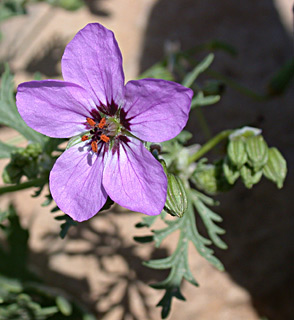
point(112, 120)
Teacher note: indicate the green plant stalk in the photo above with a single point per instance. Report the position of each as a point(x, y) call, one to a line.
point(22, 186)
point(209, 145)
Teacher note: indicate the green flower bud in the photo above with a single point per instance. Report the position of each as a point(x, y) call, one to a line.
point(231, 173)
point(237, 152)
point(33, 150)
point(176, 199)
point(276, 167)
point(249, 177)
point(23, 162)
point(205, 178)
point(257, 151)
point(11, 174)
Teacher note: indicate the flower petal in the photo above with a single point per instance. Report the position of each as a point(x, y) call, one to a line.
point(55, 108)
point(135, 179)
point(156, 110)
point(75, 183)
point(93, 60)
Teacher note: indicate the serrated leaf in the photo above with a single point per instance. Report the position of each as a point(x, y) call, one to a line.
point(200, 243)
point(165, 263)
point(179, 270)
point(208, 218)
point(205, 199)
point(68, 223)
point(276, 167)
point(201, 67)
point(159, 235)
point(9, 114)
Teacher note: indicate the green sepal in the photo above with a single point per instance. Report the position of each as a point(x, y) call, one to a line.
point(249, 177)
point(276, 167)
point(230, 171)
point(237, 152)
point(257, 151)
point(176, 199)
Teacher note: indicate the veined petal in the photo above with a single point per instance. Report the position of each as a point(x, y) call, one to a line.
point(55, 108)
point(156, 110)
point(93, 60)
point(134, 178)
point(76, 182)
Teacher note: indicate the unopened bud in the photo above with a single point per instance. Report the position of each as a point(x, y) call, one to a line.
point(205, 178)
point(176, 198)
point(231, 173)
point(276, 167)
point(249, 177)
point(257, 151)
point(237, 152)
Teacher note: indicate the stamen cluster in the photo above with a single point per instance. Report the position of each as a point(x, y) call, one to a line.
point(101, 131)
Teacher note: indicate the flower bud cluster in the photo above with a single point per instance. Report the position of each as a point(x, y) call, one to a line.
point(25, 162)
point(248, 157)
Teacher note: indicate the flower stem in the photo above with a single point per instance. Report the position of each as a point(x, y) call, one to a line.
point(22, 186)
point(209, 145)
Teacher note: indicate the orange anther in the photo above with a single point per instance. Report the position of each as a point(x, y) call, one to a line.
point(91, 122)
point(104, 138)
point(94, 146)
point(102, 123)
point(84, 138)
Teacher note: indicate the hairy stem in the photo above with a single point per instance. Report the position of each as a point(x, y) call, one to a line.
point(22, 186)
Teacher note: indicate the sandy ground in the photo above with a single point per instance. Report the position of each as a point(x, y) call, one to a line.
point(99, 263)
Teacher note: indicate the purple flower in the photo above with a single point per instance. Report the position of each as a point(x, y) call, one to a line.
point(111, 121)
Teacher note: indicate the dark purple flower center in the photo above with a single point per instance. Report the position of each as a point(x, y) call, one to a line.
point(108, 127)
